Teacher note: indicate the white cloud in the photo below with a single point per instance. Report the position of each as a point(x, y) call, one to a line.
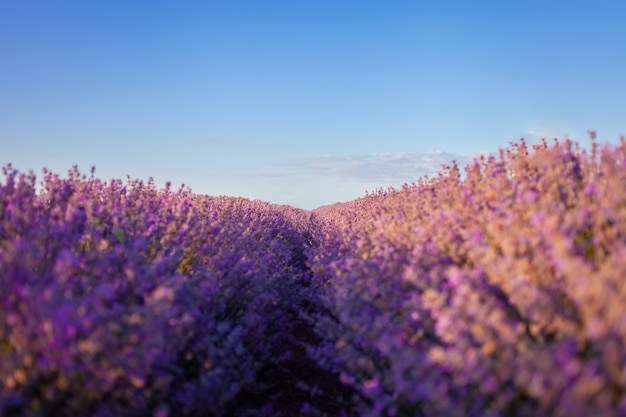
point(383, 168)
point(319, 180)
point(534, 135)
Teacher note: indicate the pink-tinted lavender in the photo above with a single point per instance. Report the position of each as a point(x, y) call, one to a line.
point(497, 291)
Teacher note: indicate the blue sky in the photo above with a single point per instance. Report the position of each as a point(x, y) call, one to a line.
point(300, 102)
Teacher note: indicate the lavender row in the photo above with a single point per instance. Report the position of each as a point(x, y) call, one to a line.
point(494, 291)
point(118, 298)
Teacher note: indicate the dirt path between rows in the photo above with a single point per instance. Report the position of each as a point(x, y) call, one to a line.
point(298, 385)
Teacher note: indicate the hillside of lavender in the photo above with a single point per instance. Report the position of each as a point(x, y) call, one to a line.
point(495, 289)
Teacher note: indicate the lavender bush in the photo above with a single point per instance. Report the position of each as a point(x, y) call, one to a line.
point(122, 299)
point(496, 290)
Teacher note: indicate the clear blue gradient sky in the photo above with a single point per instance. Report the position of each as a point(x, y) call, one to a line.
point(300, 102)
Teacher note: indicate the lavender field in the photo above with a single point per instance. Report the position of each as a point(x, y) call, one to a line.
point(495, 289)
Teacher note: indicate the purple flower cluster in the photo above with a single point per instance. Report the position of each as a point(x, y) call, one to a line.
point(124, 299)
point(497, 291)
